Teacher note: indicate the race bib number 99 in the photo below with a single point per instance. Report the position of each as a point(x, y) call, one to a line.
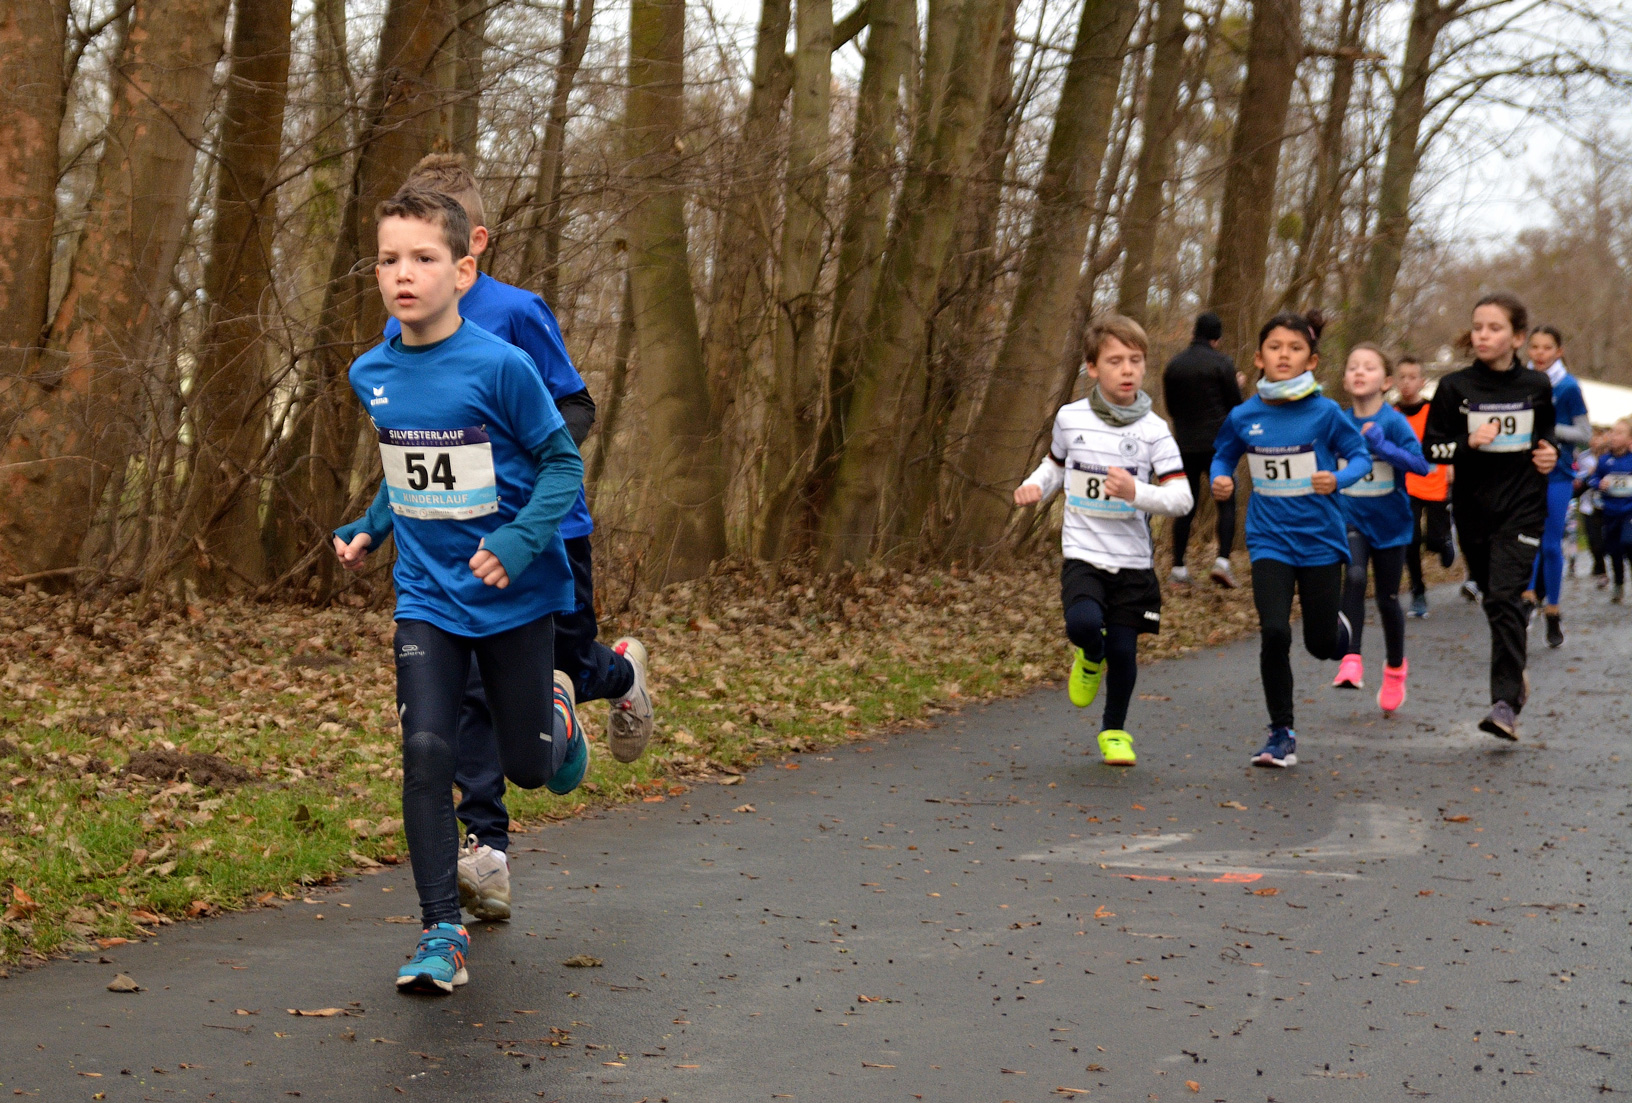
point(1378, 482)
point(439, 474)
point(1283, 472)
point(1085, 492)
point(1618, 485)
point(1515, 423)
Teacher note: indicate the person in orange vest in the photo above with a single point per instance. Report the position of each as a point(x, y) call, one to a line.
point(1430, 493)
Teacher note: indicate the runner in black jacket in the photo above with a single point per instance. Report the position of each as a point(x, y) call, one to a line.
point(1494, 422)
point(1201, 387)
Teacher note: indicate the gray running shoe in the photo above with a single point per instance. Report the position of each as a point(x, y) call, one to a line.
point(1502, 722)
point(629, 728)
point(1221, 574)
point(484, 882)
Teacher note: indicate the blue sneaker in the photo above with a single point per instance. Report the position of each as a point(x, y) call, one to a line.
point(567, 778)
point(1419, 606)
point(438, 964)
point(1281, 750)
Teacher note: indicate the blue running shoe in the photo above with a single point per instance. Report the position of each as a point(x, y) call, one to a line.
point(1281, 751)
point(439, 961)
point(1419, 606)
point(567, 778)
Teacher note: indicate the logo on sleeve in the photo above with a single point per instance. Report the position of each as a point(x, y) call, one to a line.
point(1080, 439)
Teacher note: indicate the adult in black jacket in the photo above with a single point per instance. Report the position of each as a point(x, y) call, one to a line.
point(1201, 388)
point(1493, 421)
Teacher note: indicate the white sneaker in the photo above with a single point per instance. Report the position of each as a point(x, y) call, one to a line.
point(1180, 575)
point(1222, 575)
point(484, 881)
point(629, 728)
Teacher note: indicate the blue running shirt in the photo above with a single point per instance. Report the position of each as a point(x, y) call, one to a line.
point(1612, 478)
point(1568, 404)
point(525, 320)
point(458, 423)
point(1285, 445)
point(1378, 505)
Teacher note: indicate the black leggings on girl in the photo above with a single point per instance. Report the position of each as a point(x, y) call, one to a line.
point(518, 671)
point(1386, 566)
point(1319, 591)
point(1118, 645)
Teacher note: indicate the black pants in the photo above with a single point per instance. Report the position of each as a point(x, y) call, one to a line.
point(1197, 466)
point(1319, 591)
point(1431, 529)
point(1500, 557)
point(596, 672)
point(433, 670)
point(1618, 544)
point(1386, 564)
point(1594, 524)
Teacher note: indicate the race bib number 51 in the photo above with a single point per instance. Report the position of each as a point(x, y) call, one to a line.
point(439, 474)
point(1085, 492)
point(1515, 423)
point(1283, 472)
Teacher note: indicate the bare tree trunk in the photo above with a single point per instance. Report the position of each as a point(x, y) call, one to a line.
point(1274, 48)
point(470, 45)
point(1365, 319)
point(32, 39)
point(890, 368)
point(1324, 206)
point(742, 252)
point(684, 488)
point(1160, 121)
point(1019, 396)
point(794, 409)
point(228, 397)
point(617, 388)
point(542, 260)
point(72, 433)
point(869, 189)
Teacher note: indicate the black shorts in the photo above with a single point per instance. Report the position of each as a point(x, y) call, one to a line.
point(1130, 597)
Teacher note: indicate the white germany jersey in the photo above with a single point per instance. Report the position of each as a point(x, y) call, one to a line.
point(1106, 531)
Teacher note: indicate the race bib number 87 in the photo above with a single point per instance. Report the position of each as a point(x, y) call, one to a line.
point(1085, 492)
point(439, 474)
point(1283, 472)
point(1515, 423)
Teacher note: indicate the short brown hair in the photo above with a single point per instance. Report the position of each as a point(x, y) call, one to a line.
point(433, 207)
point(1367, 346)
point(447, 173)
point(1120, 326)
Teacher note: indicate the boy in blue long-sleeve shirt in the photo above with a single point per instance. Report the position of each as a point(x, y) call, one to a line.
point(1612, 478)
point(1293, 438)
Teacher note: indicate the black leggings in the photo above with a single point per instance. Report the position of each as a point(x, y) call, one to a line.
point(1118, 645)
point(1319, 591)
point(1431, 529)
point(1617, 544)
point(1593, 523)
point(1196, 468)
point(518, 671)
point(1386, 565)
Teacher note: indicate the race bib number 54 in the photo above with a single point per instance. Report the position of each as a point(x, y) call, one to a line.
point(439, 474)
point(1283, 472)
point(1515, 423)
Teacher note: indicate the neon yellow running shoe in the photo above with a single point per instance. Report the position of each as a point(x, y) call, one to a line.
point(1085, 676)
point(1117, 748)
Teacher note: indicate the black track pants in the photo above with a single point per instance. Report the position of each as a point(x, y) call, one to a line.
point(1319, 590)
point(1500, 559)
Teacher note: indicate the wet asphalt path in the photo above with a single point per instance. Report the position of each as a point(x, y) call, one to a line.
point(979, 912)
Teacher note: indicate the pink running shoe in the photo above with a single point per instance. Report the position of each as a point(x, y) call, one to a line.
point(1392, 695)
point(1351, 673)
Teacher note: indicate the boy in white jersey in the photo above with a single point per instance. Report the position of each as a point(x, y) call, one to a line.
point(1118, 463)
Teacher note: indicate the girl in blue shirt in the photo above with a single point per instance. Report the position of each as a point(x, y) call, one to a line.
point(1612, 478)
point(1378, 511)
point(1293, 438)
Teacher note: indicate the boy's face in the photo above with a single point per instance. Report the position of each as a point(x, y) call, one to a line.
point(1408, 381)
point(419, 279)
point(1119, 370)
point(1620, 439)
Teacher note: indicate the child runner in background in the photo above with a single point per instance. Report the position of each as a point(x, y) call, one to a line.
point(1294, 438)
point(616, 673)
point(1591, 502)
point(1380, 522)
point(1612, 478)
point(1430, 507)
point(1493, 421)
point(1118, 463)
point(1573, 429)
point(479, 471)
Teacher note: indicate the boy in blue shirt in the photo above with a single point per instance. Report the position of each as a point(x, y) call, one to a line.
point(1612, 478)
point(479, 472)
point(616, 674)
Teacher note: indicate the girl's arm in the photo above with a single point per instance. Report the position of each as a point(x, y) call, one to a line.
point(1396, 453)
point(1446, 432)
point(1227, 450)
point(1345, 440)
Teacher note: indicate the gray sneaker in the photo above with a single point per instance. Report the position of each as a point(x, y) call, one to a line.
point(1221, 574)
point(1502, 722)
point(629, 728)
point(484, 882)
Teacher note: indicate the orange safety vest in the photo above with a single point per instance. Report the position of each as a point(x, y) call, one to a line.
point(1432, 486)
